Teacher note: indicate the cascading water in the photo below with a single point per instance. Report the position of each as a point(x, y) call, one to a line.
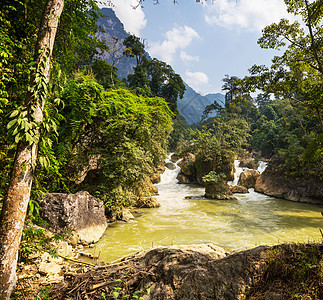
point(251, 220)
point(238, 170)
point(262, 166)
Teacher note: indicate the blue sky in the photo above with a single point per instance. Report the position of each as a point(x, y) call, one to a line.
point(203, 42)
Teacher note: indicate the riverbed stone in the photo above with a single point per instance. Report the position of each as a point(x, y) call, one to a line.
point(155, 176)
point(210, 249)
point(64, 249)
point(187, 165)
point(182, 178)
point(238, 189)
point(49, 268)
point(249, 163)
point(125, 215)
point(170, 166)
point(219, 190)
point(175, 157)
point(248, 178)
point(147, 202)
point(80, 213)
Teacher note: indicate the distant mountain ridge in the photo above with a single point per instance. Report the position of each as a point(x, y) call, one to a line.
point(191, 106)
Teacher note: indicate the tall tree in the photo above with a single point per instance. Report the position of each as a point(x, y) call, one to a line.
point(298, 73)
point(16, 201)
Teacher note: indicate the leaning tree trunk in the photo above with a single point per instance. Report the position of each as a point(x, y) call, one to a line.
point(16, 202)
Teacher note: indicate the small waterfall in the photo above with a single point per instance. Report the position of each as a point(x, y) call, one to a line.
point(169, 176)
point(238, 170)
point(262, 166)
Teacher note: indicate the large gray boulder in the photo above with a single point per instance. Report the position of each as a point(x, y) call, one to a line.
point(80, 212)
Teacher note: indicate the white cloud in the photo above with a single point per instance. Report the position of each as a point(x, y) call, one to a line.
point(177, 38)
point(252, 15)
point(133, 19)
point(196, 79)
point(188, 58)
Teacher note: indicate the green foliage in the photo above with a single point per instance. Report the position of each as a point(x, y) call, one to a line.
point(76, 44)
point(121, 291)
point(213, 177)
point(153, 77)
point(34, 239)
point(134, 48)
point(178, 134)
point(124, 135)
point(105, 74)
point(298, 73)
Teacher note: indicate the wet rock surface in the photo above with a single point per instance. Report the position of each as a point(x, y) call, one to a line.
point(170, 166)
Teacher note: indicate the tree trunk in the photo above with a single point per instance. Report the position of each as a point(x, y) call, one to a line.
point(16, 202)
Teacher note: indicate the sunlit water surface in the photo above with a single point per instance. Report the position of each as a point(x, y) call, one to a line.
point(254, 219)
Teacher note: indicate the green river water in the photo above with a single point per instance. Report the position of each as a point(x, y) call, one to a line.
point(254, 219)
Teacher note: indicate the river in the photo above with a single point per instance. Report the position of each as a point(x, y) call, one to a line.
point(253, 219)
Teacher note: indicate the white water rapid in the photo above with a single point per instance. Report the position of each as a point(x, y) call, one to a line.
point(252, 220)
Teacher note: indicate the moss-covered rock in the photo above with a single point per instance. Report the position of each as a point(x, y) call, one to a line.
point(223, 163)
point(187, 165)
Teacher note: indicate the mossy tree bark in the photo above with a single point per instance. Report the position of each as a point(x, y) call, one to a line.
point(16, 202)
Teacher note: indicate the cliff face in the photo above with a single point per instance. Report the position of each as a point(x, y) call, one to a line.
point(274, 182)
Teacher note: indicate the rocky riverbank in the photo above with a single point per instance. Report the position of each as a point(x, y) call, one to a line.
point(274, 182)
point(191, 273)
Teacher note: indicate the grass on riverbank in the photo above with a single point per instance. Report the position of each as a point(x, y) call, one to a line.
point(291, 271)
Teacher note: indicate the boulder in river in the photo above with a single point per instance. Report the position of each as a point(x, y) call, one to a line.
point(123, 215)
point(274, 182)
point(219, 191)
point(238, 189)
point(182, 178)
point(78, 212)
point(187, 165)
point(155, 176)
point(248, 178)
point(146, 202)
point(170, 166)
point(249, 163)
point(175, 157)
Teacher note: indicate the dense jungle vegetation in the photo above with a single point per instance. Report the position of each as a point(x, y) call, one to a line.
point(91, 117)
point(107, 136)
point(118, 132)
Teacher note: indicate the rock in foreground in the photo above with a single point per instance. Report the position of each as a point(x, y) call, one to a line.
point(78, 212)
point(182, 273)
